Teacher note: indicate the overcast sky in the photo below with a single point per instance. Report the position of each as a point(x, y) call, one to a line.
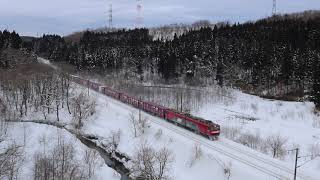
point(32, 17)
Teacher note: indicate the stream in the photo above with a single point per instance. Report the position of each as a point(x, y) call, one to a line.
point(110, 158)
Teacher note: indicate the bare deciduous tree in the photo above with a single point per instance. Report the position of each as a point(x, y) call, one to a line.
point(60, 163)
point(158, 134)
point(3, 123)
point(316, 121)
point(196, 154)
point(250, 140)
point(143, 124)
point(11, 159)
point(231, 132)
point(83, 107)
point(138, 125)
point(227, 170)
point(314, 150)
point(276, 144)
point(113, 140)
point(11, 156)
point(151, 164)
point(91, 159)
point(134, 124)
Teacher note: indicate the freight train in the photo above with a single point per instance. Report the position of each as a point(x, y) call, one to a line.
point(195, 124)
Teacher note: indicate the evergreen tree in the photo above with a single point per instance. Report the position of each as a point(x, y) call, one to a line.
point(1, 40)
point(260, 54)
point(316, 81)
point(15, 40)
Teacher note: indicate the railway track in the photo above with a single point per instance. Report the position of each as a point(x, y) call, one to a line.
point(221, 147)
point(226, 153)
point(264, 159)
point(222, 151)
point(259, 163)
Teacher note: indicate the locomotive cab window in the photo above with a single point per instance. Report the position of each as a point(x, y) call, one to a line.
point(212, 128)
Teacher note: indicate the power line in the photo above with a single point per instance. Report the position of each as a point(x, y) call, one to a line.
point(139, 18)
point(110, 16)
point(274, 7)
point(297, 157)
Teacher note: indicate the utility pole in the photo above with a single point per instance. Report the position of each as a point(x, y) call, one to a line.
point(296, 164)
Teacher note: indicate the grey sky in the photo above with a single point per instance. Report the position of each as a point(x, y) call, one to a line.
point(32, 17)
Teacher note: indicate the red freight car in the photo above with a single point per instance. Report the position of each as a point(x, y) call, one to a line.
point(79, 80)
point(146, 106)
point(196, 124)
point(129, 100)
point(110, 92)
point(94, 86)
point(154, 109)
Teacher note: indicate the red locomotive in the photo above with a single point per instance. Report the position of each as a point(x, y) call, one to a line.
point(195, 124)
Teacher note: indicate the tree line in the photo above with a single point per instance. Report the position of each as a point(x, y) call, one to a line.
point(274, 56)
point(10, 39)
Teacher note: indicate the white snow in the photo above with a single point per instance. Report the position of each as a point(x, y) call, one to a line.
point(47, 62)
point(293, 120)
point(34, 135)
point(113, 115)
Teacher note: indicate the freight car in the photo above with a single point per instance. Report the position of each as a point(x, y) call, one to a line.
point(198, 125)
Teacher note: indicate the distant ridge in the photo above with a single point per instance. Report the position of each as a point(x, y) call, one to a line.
point(304, 16)
point(167, 32)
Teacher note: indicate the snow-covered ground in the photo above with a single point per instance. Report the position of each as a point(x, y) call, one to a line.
point(47, 62)
point(113, 115)
point(295, 121)
point(35, 138)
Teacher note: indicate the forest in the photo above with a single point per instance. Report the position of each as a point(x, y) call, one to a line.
point(271, 57)
point(192, 69)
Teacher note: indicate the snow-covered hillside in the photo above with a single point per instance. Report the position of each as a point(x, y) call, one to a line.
point(113, 115)
point(294, 121)
point(36, 139)
point(222, 159)
point(245, 119)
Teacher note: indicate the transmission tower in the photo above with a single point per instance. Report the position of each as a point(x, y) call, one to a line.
point(274, 8)
point(139, 18)
point(110, 16)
